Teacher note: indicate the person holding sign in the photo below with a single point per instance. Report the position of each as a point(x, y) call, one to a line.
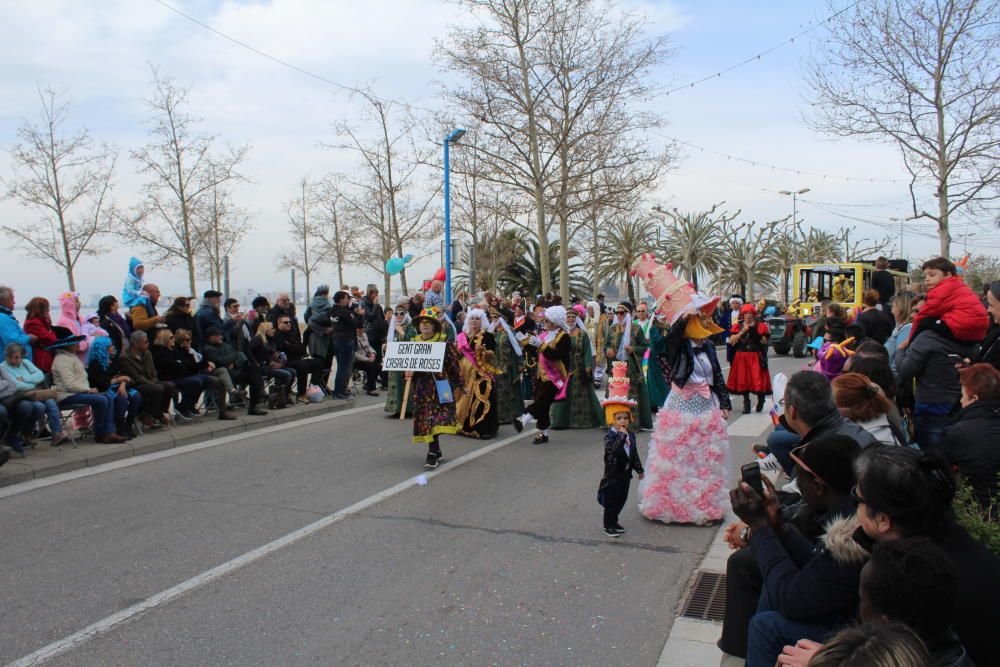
point(433, 399)
point(399, 329)
point(554, 349)
point(477, 408)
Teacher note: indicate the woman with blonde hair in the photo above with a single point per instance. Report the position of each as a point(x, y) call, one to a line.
point(901, 305)
point(863, 402)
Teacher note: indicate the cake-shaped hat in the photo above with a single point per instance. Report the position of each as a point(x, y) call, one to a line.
point(618, 386)
point(673, 295)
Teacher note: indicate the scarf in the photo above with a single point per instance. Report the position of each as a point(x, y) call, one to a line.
point(626, 337)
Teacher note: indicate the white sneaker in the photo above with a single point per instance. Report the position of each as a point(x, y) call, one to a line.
point(769, 464)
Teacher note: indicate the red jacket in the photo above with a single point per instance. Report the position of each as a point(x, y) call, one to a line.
point(954, 303)
point(46, 336)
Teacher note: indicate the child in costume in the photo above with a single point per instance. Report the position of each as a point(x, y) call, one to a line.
point(687, 467)
point(132, 292)
point(554, 349)
point(748, 373)
point(432, 417)
point(621, 456)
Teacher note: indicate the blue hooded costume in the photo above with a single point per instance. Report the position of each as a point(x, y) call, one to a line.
point(132, 294)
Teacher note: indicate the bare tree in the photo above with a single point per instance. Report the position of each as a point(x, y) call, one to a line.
point(501, 58)
point(68, 180)
point(183, 172)
point(860, 248)
point(920, 74)
point(338, 238)
point(390, 199)
point(222, 226)
point(308, 252)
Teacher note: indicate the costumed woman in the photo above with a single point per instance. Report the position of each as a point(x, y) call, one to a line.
point(528, 331)
point(687, 466)
point(748, 373)
point(510, 401)
point(627, 343)
point(476, 409)
point(652, 329)
point(400, 329)
point(554, 347)
point(434, 403)
point(581, 409)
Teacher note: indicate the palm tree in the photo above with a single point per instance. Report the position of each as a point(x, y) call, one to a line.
point(750, 256)
point(624, 240)
point(693, 242)
point(524, 273)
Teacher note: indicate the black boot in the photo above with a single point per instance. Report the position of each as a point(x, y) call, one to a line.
point(746, 404)
point(760, 402)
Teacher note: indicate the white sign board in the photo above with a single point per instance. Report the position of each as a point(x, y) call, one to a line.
point(414, 356)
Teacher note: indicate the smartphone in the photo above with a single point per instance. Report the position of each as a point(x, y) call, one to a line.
point(958, 360)
point(751, 475)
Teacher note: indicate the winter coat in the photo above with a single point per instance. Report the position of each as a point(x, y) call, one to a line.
point(27, 376)
point(191, 361)
point(290, 344)
point(119, 329)
point(679, 358)
point(883, 283)
point(988, 351)
point(223, 355)
point(207, 317)
point(837, 424)
point(142, 370)
point(11, 332)
point(363, 348)
point(143, 317)
point(346, 322)
point(132, 294)
point(954, 303)
point(42, 330)
point(69, 377)
point(926, 361)
point(878, 325)
point(70, 319)
point(168, 367)
point(812, 582)
point(8, 387)
point(99, 377)
point(376, 328)
point(972, 445)
point(900, 333)
point(177, 320)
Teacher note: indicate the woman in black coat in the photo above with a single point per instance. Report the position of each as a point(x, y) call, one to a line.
point(988, 351)
point(179, 315)
point(972, 444)
point(170, 369)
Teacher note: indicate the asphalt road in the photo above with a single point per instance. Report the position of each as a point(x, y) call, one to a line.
point(498, 559)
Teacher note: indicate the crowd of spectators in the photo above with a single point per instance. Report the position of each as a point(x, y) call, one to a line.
point(118, 372)
point(856, 557)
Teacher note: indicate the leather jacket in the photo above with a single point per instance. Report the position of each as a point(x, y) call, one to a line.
point(680, 359)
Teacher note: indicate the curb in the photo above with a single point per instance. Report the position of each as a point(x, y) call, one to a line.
point(45, 461)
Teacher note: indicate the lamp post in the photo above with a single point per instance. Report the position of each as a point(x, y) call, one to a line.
point(795, 221)
point(452, 138)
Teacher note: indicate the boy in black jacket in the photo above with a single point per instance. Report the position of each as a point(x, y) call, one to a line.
point(620, 459)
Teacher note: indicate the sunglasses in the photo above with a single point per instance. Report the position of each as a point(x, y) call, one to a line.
point(797, 459)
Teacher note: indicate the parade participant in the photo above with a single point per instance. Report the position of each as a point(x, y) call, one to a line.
point(433, 407)
point(400, 329)
point(652, 364)
point(581, 409)
point(621, 456)
point(526, 332)
point(748, 373)
point(688, 461)
point(476, 409)
point(509, 358)
point(627, 343)
point(554, 346)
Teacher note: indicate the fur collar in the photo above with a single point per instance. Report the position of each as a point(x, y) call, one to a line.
point(838, 540)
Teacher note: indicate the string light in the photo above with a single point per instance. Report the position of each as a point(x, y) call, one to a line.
point(755, 58)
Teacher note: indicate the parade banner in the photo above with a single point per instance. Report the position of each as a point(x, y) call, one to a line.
point(414, 356)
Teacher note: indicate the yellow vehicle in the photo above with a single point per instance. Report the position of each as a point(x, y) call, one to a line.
point(843, 283)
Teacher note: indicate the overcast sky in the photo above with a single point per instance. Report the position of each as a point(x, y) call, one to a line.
point(101, 53)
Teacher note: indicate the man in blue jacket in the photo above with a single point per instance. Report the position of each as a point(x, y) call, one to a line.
point(207, 317)
point(10, 328)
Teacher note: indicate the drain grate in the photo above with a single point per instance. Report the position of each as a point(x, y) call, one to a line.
point(706, 600)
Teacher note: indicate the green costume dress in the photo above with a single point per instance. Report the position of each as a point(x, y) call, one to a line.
point(394, 394)
point(656, 383)
point(642, 416)
point(581, 409)
point(510, 402)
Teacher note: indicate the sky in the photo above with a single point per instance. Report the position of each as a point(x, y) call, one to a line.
point(101, 54)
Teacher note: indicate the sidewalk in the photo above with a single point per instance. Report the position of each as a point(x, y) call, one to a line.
point(43, 460)
point(692, 642)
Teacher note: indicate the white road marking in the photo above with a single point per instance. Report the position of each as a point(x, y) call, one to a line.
point(105, 625)
point(41, 483)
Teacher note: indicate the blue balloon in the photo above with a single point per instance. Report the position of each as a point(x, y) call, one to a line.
point(397, 264)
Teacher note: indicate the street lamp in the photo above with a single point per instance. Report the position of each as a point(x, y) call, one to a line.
point(795, 221)
point(452, 138)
